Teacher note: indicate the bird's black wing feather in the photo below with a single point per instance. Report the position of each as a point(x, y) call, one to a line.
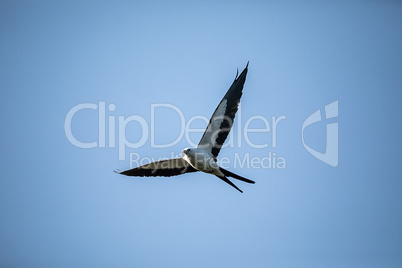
point(222, 119)
point(163, 168)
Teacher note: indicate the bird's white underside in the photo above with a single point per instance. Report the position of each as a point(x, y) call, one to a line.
point(202, 160)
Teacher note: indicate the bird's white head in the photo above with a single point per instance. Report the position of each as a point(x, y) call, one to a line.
point(186, 151)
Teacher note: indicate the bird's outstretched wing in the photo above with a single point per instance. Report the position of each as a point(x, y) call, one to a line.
point(222, 119)
point(164, 168)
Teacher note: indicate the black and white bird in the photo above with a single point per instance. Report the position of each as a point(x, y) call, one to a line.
point(203, 157)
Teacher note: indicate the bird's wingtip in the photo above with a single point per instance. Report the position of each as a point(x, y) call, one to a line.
point(118, 171)
point(237, 73)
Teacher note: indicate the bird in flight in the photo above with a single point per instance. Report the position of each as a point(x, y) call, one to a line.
point(203, 157)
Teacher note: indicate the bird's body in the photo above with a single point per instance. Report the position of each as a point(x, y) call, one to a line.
point(203, 157)
point(202, 160)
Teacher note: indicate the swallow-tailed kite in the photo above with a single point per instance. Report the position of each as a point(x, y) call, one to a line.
point(203, 157)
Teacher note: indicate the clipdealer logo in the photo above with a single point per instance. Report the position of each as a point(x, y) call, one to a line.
point(330, 156)
point(107, 124)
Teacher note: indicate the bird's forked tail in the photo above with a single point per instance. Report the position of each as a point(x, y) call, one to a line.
point(227, 173)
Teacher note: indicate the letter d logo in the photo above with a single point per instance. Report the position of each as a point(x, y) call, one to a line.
point(331, 149)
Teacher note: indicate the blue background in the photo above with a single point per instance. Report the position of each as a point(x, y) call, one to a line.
point(62, 206)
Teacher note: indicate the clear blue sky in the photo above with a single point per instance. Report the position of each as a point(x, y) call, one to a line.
point(62, 206)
